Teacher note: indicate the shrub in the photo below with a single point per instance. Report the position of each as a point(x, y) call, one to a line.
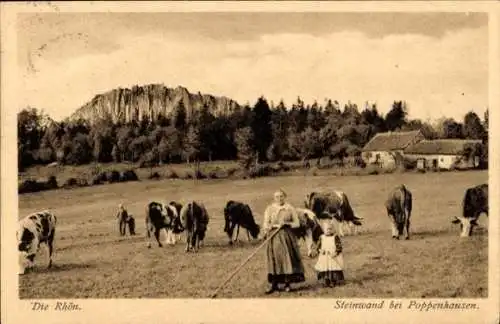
point(171, 174)
point(129, 175)
point(96, 181)
point(114, 176)
point(102, 176)
point(213, 175)
point(231, 171)
point(52, 183)
point(284, 167)
point(154, 176)
point(30, 186)
point(275, 168)
point(187, 175)
point(70, 182)
point(314, 171)
point(82, 182)
point(200, 175)
point(259, 170)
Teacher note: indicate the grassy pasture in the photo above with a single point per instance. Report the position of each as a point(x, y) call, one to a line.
point(92, 261)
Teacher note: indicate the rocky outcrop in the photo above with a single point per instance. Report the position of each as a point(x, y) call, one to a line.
point(149, 101)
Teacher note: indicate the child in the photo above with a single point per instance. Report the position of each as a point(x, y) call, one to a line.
point(330, 263)
point(131, 224)
point(125, 219)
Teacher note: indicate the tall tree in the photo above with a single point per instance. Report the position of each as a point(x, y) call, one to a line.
point(192, 145)
point(452, 129)
point(261, 126)
point(180, 116)
point(170, 146)
point(244, 139)
point(310, 144)
point(396, 117)
point(486, 120)
point(473, 127)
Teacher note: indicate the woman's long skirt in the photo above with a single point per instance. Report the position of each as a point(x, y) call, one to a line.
point(284, 264)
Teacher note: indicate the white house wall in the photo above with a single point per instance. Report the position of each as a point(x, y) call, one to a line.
point(443, 161)
point(386, 159)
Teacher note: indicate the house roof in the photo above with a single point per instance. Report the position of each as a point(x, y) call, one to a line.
point(390, 141)
point(440, 147)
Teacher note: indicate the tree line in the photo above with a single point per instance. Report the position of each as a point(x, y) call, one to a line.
point(250, 134)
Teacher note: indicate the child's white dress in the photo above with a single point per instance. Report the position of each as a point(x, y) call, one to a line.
point(330, 264)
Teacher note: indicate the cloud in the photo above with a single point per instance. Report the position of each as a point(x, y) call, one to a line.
point(435, 76)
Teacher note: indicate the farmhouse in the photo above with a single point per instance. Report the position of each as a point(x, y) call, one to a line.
point(444, 154)
point(384, 148)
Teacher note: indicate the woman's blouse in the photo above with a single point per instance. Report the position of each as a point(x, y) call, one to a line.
point(276, 214)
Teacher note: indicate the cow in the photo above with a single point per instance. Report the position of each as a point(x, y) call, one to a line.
point(173, 234)
point(159, 217)
point(33, 230)
point(475, 202)
point(332, 205)
point(310, 229)
point(194, 219)
point(399, 206)
point(238, 214)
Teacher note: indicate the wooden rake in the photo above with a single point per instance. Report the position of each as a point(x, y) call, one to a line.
point(214, 294)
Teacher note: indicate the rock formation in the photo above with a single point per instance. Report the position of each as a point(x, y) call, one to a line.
point(149, 101)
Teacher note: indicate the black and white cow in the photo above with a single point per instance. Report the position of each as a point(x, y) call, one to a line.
point(475, 202)
point(194, 219)
point(160, 217)
point(35, 229)
point(238, 214)
point(399, 206)
point(310, 229)
point(176, 228)
point(333, 205)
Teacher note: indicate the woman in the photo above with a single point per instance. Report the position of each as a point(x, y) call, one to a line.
point(284, 264)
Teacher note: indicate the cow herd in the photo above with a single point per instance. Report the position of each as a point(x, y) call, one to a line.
point(192, 218)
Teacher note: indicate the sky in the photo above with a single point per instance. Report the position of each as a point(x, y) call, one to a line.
point(436, 62)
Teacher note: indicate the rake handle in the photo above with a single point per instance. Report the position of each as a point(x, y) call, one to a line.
point(243, 263)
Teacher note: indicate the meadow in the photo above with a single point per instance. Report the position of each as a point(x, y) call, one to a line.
point(92, 261)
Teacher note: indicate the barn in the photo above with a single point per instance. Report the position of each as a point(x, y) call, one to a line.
point(384, 148)
point(443, 154)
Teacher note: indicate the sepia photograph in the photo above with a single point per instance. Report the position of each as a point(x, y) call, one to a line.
point(242, 154)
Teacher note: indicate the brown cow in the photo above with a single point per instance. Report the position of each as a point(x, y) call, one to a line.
point(332, 205)
point(194, 219)
point(399, 206)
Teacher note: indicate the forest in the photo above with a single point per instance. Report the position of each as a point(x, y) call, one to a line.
point(250, 134)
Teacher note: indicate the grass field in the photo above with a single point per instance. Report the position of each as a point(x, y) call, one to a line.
point(92, 261)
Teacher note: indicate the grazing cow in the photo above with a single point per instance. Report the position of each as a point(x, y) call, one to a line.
point(194, 219)
point(399, 206)
point(310, 229)
point(159, 217)
point(475, 202)
point(238, 214)
point(333, 205)
point(35, 229)
point(177, 227)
